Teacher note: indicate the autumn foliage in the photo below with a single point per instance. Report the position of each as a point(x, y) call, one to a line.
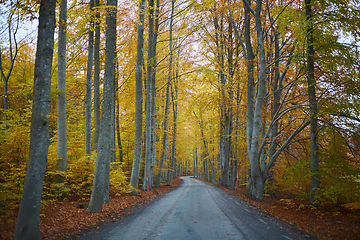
point(208, 90)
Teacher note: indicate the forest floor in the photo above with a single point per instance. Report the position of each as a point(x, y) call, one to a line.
point(64, 218)
point(61, 219)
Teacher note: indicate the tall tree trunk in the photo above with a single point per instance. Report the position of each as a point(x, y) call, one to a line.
point(97, 76)
point(249, 57)
point(27, 225)
point(196, 163)
point(135, 172)
point(153, 87)
point(112, 155)
point(173, 150)
point(171, 168)
point(314, 148)
point(165, 140)
point(104, 148)
point(118, 133)
point(149, 97)
point(257, 179)
point(61, 101)
point(88, 96)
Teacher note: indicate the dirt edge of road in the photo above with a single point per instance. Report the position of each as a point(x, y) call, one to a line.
point(69, 219)
point(336, 223)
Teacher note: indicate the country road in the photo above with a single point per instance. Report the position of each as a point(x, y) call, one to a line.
point(197, 210)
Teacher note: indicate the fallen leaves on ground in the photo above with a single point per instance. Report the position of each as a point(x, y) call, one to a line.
point(332, 222)
point(70, 217)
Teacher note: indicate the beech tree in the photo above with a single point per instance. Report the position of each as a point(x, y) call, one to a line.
point(102, 166)
point(149, 97)
point(97, 75)
point(27, 224)
point(88, 97)
point(61, 102)
point(314, 148)
point(135, 172)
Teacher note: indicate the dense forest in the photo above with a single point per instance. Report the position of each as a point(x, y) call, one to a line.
point(115, 96)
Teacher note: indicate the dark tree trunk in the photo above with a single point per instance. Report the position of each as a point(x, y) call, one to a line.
point(314, 148)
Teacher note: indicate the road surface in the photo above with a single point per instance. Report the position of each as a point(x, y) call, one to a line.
point(197, 210)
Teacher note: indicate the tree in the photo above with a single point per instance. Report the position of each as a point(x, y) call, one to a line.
point(27, 225)
point(61, 102)
point(102, 166)
point(314, 148)
point(97, 76)
point(88, 95)
point(135, 172)
point(149, 96)
point(13, 54)
point(170, 76)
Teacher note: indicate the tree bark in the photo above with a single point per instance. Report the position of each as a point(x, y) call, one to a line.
point(27, 225)
point(61, 101)
point(88, 96)
point(104, 148)
point(153, 87)
point(165, 140)
point(97, 77)
point(118, 132)
point(257, 179)
point(135, 172)
point(175, 113)
point(149, 97)
point(314, 147)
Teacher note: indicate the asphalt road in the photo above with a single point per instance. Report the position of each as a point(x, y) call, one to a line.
point(196, 210)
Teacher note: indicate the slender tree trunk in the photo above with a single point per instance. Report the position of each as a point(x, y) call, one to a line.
point(135, 173)
point(104, 148)
point(249, 57)
point(27, 225)
point(165, 140)
point(257, 179)
point(149, 97)
point(61, 101)
point(113, 128)
point(196, 163)
point(153, 87)
point(112, 149)
point(314, 148)
point(12, 56)
point(88, 101)
point(97, 77)
point(171, 168)
point(118, 133)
